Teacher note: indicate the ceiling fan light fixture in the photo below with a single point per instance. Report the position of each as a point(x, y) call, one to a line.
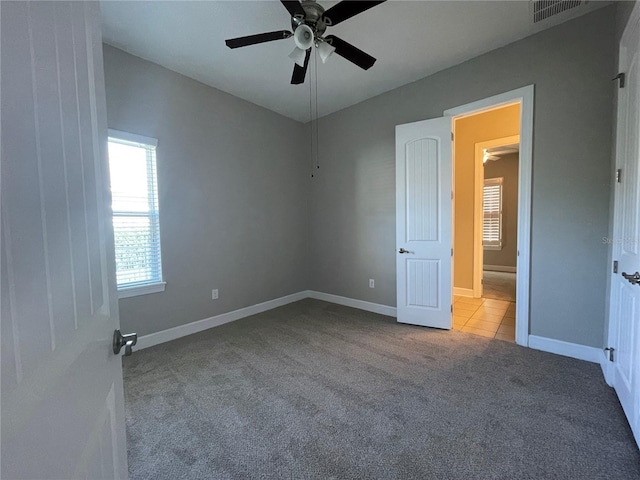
point(309, 21)
point(303, 36)
point(325, 50)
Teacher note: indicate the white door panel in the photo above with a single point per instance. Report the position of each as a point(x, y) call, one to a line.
point(62, 398)
point(423, 222)
point(624, 318)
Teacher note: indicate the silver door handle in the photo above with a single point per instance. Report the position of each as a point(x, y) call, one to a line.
point(126, 341)
point(632, 278)
point(402, 250)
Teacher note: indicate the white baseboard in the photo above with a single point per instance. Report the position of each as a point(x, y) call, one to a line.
point(573, 350)
point(463, 292)
point(581, 352)
point(350, 302)
point(157, 338)
point(499, 268)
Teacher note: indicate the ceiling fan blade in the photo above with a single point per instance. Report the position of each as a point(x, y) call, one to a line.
point(351, 53)
point(259, 38)
point(299, 72)
point(293, 7)
point(346, 9)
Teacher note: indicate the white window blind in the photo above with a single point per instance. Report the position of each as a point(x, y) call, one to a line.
point(492, 214)
point(136, 216)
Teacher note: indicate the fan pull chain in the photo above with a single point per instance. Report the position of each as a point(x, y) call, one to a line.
point(315, 61)
point(311, 124)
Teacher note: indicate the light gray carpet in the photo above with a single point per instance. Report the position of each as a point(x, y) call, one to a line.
point(319, 391)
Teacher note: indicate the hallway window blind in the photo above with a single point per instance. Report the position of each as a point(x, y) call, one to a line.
point(136, 214)
point(492, 214)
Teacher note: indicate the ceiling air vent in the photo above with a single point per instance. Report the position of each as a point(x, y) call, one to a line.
point(543, 9)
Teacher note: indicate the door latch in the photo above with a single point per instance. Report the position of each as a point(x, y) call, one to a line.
point(126, 341)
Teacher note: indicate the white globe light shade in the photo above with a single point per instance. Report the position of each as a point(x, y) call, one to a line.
point(303, 36)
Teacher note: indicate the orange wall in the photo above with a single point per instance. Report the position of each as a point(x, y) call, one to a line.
point(502, 122)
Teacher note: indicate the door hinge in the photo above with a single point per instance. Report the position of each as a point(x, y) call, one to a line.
point(619, 175)
point(610, 350)
point(452, 252)
point(452, 308)
point(452, 136)
point(615, 266)
point(482, 281)
point(620, 77)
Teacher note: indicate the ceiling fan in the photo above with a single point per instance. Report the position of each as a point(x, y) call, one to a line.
point(309, 21)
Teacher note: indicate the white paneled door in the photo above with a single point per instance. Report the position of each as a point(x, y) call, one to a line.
point(624, 318)
point(424, 222)
point(62, 398)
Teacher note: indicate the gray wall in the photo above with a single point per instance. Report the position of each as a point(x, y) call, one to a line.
point(353, 198)
point(232, 181)
point(507, 168)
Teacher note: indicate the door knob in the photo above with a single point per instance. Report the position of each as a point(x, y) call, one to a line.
point(126, 341)
point(402, 250)
point(632, 278)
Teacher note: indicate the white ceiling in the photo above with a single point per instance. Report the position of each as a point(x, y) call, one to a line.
point(410, 39)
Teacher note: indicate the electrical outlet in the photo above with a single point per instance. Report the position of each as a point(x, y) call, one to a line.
point(372, 283)
point(214, 294)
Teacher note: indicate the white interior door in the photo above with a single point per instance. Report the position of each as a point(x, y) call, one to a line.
point(624, 324)
point(423, 222)
point(62, 398)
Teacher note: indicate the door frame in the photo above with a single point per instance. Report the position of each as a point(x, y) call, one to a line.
point(478, 250)
point(525, 97)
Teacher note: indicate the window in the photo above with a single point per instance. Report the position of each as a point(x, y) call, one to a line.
point(492, 214)
point(136, 217)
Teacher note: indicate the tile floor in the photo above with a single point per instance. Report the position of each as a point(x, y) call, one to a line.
point(485, 316)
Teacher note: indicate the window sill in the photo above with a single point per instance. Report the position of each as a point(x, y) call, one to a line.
point(492, 247)
point(141, 290)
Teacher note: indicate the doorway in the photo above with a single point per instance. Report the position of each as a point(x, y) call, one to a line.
point(487, 146)
point(492, 155)
point(425, 224)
